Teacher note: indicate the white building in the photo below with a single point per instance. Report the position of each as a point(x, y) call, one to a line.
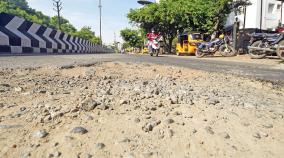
point(262, 14)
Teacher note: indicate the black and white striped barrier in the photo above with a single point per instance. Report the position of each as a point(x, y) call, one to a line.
point(20, 36)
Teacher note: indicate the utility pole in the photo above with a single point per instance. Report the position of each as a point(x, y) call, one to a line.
point(115, 42)
point(261, 10)
point(58, 7)
point(114, 37)
point(100, 7)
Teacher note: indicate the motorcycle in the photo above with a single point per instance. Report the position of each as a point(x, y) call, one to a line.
point(264, 44)
point(155, 46)
point(220, 44)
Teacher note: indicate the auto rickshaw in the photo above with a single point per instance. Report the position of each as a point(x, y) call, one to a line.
point(145, 50)
point(187, 43)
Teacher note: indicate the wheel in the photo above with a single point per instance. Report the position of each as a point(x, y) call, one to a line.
point(280, 53)
point(227, 51)
point(199, 53)
point(151, 51)
point(257, 54)
point(157, 52)
point(213, 49)
point(178, 54)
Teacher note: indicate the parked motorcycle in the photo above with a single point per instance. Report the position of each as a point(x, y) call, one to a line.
point(221, 44)
point(264, 44)
point(155, 46)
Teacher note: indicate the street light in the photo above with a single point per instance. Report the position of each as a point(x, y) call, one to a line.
point(100, 7)
point(144, 2)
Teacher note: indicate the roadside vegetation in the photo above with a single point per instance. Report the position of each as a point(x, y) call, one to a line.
point(22, 9)
point(171, 17)
point(132, 37)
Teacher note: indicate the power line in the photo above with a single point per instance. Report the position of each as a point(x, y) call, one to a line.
point(58, 7)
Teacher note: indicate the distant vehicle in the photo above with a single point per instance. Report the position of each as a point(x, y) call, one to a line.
point(155, 46)
point(145, 50)
point(187, 43)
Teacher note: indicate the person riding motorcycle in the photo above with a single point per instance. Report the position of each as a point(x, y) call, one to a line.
point(151, 36)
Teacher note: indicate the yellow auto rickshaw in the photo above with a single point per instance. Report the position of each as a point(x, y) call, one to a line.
point(145, 50)
point(187, 43)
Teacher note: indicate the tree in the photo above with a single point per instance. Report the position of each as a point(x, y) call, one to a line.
point(23, 4)
point(65, 25)
point(96, 40)
point(87, 33)
point(132, 37)
point(21, 8)
point(172, 16)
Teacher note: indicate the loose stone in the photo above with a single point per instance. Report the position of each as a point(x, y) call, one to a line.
point(79, 130)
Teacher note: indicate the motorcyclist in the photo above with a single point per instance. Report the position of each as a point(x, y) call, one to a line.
point(151, 36)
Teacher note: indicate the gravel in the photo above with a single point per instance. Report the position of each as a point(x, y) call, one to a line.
point(79, 130)
point(100, 146)
point(40, 133)
point(122, 106)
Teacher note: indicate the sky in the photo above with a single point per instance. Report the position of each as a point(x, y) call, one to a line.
point(86, 13)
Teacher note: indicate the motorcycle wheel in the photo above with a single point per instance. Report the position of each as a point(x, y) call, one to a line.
point(151, 52)
point(227, 51)
point(255, 54)
point(157, 52)
point(213, 50)
point(280, 53)
point(199, 53)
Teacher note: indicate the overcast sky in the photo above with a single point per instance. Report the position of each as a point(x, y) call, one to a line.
point(86, 13)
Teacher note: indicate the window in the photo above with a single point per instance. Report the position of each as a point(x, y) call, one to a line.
point(270, 8)
point(196, 36)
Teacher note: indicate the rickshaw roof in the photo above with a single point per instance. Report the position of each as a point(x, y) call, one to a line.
point(186, 34)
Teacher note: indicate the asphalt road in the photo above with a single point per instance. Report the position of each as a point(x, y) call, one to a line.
point(259, 71)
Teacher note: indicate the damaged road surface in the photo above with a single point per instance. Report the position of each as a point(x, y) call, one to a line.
point(137, 110)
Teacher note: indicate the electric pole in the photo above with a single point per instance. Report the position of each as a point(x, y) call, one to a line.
point(115, 42)
point(58, 7)
point(114, 37)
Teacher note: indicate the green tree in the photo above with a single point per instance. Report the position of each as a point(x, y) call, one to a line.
point(65, 25)
point(172, 16)
point(96, 40)
point(133, 37)
point(87, 33)
point(23, 4)
point(20, 8)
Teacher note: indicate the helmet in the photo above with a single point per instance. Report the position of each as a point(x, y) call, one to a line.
point(222, 36)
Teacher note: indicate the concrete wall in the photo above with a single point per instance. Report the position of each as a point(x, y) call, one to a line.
point(270, 20)
point(19, 36)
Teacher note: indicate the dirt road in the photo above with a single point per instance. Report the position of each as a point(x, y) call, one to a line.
point(136, 110)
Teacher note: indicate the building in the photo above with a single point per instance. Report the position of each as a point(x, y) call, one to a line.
point(261, 14)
